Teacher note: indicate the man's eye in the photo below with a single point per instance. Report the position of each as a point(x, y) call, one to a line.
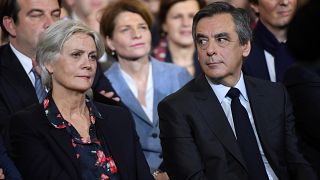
point(36, 15)
point(222, 41)
point(202, 42)
point(56, 15)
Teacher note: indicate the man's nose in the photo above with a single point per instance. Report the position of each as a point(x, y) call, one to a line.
point(48, 21)
point(211, 49)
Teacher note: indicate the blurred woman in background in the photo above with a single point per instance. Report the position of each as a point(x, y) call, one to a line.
point(177, 46)
point(140, 80)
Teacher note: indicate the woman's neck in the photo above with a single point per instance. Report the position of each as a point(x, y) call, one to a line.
point(181, 55)
point(137, 69)
point(69, 103)
point(73, 109)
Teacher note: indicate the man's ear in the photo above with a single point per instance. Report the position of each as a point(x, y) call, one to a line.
point(246, 48)
point(10, 26)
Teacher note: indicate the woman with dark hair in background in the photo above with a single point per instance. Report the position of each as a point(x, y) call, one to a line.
point(176, 45)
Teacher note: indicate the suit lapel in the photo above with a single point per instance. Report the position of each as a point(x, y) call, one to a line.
point(61, 143)
point(109, 134)
point(159, 92)
point(257, 98)
point(16, 79)
point(215, 117)
point(62, 139)
point(127, 97)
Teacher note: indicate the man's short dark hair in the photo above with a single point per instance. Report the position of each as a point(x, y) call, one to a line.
point(240, 17)
point(11, 8)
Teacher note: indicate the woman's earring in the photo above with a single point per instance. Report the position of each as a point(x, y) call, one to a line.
point(113, 52)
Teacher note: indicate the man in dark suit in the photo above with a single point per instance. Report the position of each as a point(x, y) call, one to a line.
point(23, 21)
point(201, 135)
point(269, 58)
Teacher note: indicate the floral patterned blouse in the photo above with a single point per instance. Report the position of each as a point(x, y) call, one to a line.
point(94, 158)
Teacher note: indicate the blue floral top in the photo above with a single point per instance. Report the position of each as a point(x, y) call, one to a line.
point(94, 158)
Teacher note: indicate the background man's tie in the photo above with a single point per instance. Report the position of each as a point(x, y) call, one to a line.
point(41, 92)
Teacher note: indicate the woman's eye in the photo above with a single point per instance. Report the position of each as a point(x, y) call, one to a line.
point(76, 55)
point(93, 57)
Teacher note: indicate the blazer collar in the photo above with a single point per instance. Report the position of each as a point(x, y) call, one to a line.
point(127, 97)
point(215, 117)
point(61, 141)
point(109, 135)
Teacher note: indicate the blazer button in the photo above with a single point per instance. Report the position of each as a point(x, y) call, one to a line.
point(154, 135)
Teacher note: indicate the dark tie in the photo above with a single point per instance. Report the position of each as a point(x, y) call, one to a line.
point(41, 92)
point(246, 138)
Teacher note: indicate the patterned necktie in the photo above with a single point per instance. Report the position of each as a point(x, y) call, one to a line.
point(41, 92)
point(246, 138)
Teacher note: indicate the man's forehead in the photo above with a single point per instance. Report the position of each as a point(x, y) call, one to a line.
point(215, 24)
point(39, 4)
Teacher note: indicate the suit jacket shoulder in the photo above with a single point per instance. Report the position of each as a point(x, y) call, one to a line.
point(16, 89)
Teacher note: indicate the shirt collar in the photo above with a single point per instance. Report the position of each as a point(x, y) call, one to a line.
point(222, 90)
point(55, 118)
point(25, 61)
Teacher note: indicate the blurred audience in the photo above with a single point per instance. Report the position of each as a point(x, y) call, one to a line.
point(153, 6)
point(68, 136)
point(176, 45)
point(235, 3)
point(269, 58)
point(141, 81)
point(240, 4)
point(87, 11)
point(303, 79)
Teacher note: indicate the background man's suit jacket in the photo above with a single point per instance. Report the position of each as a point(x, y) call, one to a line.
point(303, 84)
point(167, 78)
point(42, 151)
point(17, 91)
point(256, 64)
point(198, 142)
